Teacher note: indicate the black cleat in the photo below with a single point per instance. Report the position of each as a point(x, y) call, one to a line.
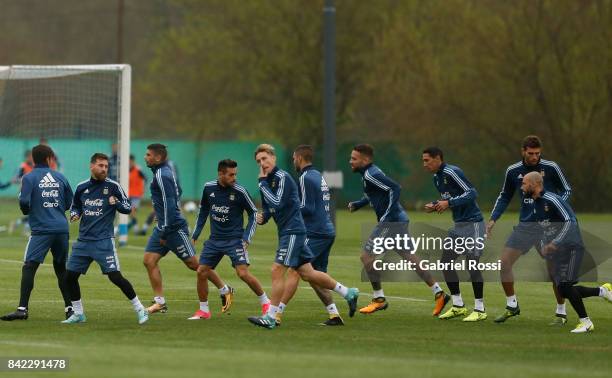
point(69, 311)
point(17, 315)
point(333, 321)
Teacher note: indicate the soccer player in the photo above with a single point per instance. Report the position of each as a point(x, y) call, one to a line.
point(314, 199)
point(4, 185)
point(524, 235)
point(45, 196)
point(135, 191)
point(384, 194)
point(226, 201)
point(562, 245)
point(280, 201)
point(171, 232)
point(151, 217)
point(458, 194)
point(95, 204)
point(24, 168)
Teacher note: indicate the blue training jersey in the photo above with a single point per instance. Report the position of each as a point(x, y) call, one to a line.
point(166, 198)
point(226, 206)
point(459, 192)
point(383, 194)
point(45, 197)
point(314, 198)
point(554, 181)
point(279, 196)
point(91, 203)
point(556, 218)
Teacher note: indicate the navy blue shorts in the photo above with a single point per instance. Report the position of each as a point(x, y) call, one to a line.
point(39, 245)
point(292, 251)
point(471, 230)
point(386, 230)
point(524, 236)
point(177, 242)
point(566, 262)
point(101, 251)
point(214, 250)
point(320, 249)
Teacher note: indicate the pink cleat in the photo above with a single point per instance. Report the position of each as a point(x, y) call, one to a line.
point(200, 315)
point(265, 307)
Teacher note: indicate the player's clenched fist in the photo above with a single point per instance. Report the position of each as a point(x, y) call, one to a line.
point(112, 200)
point(259, 218)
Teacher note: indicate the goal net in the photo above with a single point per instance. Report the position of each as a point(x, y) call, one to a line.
point(77, 110)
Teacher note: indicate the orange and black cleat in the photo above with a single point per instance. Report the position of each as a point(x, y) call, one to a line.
point(377, 304)
point(441, 300)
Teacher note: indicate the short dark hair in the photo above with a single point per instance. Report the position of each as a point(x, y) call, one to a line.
point(434, 152)
point(41, 153)
point(159, 149)
point(305, 151)
point(532, 141)
point(132, 157)
point(225, 164)
point(98, 156)
point(365, 149)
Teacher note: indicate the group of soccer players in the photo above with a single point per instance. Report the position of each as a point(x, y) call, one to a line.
point(305, 232)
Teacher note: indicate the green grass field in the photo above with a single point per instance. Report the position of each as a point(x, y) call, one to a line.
point(402, 341)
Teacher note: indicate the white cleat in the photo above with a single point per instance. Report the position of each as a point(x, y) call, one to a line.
point(584, 327)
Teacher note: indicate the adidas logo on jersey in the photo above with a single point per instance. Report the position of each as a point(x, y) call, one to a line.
point(520, 176)
point(48, 182)
point(212, 195)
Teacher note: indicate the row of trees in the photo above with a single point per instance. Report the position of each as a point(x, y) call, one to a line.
point(472, 76)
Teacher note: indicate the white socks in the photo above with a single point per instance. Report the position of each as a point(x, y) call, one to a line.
point(332, 310)
point(263, 299)
point(160, 300)
point(341, 289)
point(561, 309)
point(479, 304)
point(378, 294)
point(511, 301)
point(224, 290)
point(136, 304)
point(204, 306)
point(435, 288)
point(77, 307)
point(281, 307)
point(457, 300)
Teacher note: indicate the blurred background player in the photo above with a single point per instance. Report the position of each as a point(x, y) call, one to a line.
point(95, 203)
point(458, 194)
point(55, 164)
point(524, 236)
point(24, 168)
point(280, 201)
point(45, 196)
point(113, 162)
point(4, 185)
point(314, 196)
point(562, 246)
point(135, 192)
point(226, 201)
point(383, 194)
point(171, 232)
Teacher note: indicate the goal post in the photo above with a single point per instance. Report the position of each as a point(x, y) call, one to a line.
point(79, 109)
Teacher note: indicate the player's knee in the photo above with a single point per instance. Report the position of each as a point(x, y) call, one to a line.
point(277, 271)
point(30, 266)
point(203, 271)
point(242, 273)
point(115, 277)
point(149, 263)
point(564, 289)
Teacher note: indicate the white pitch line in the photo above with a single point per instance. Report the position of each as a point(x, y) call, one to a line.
point(31, 344)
